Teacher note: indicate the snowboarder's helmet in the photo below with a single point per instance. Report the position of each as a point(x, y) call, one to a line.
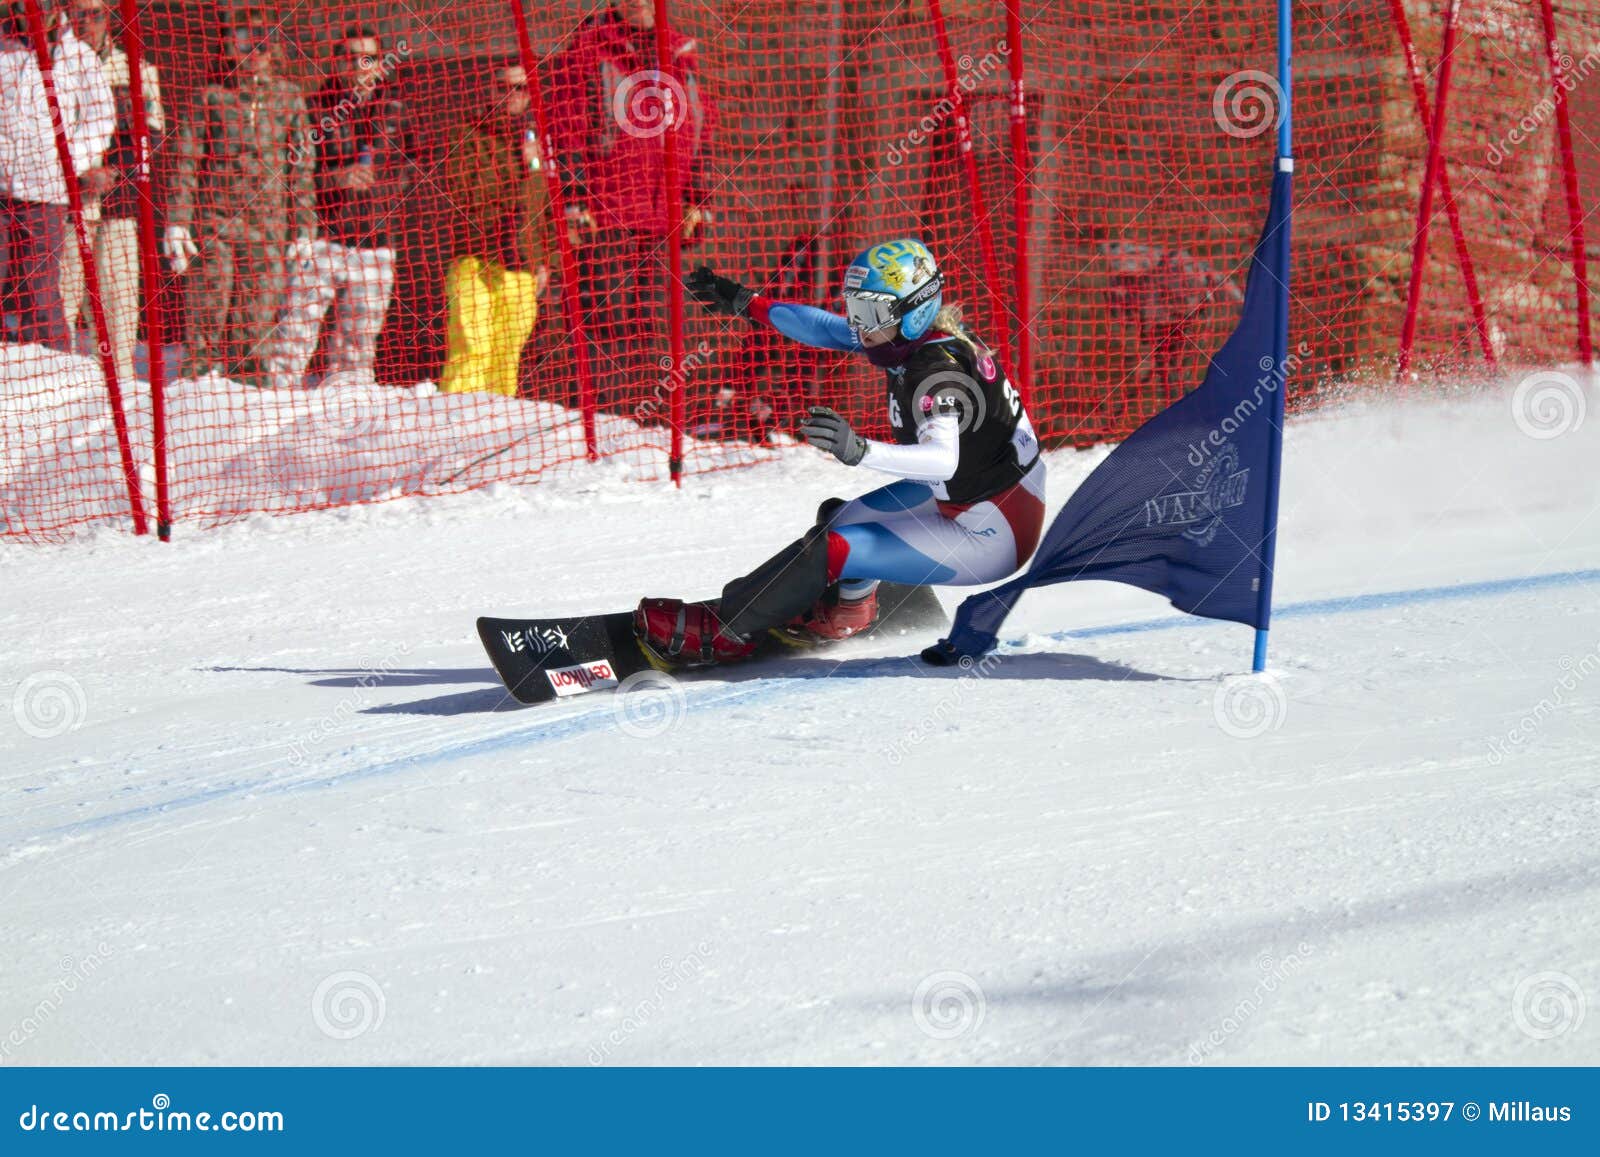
point(894, 283)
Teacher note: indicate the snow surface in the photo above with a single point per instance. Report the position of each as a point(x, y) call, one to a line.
point(264, 802)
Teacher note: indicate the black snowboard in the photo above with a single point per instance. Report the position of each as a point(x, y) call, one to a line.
point(543, 659)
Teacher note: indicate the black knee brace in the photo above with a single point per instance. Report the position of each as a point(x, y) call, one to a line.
point(779, 589)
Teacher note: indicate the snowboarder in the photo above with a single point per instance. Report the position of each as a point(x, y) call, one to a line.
point(968, 506)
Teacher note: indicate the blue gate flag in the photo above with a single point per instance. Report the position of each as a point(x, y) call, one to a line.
point(1181, 507)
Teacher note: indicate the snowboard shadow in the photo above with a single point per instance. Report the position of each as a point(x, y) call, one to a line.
point(1057, 665)
point(486, 699)
point(491, 697)
point(1032, 666)
point(381, 677)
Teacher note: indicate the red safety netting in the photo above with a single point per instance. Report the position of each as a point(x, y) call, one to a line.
point(410, 248)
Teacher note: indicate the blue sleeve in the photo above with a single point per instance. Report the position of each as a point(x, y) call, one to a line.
point(812, 326)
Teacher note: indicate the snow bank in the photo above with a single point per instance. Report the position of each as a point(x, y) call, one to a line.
point(235, 449)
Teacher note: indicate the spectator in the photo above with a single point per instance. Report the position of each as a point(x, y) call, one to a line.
point(495, 184)
point(610, 112)
point(239, 187)
point(1160, 296)
point(113, 217)
point(33, 189)
point(365, 167)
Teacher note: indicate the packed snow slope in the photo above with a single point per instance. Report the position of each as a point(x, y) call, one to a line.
point(263, 801)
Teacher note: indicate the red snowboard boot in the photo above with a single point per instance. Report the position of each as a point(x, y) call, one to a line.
point(674, 633)
point(833, 617)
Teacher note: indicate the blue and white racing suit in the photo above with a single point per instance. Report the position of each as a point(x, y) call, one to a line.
point(968, 506)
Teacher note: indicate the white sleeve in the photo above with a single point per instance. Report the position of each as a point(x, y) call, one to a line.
point(155, 116)
point(93, 120)
point(933, 459)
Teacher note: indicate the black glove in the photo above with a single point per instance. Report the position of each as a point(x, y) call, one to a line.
point(827, 430)
point(720, 294)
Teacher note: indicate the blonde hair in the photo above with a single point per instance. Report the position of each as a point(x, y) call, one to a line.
point(951, 319)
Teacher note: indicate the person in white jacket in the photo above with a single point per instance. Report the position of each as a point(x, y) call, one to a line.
point(113, 216)
point(33, 188)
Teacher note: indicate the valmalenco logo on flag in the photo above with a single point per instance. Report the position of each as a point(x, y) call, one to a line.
point(1219, 488)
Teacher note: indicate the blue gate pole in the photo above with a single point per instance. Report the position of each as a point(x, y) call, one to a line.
point(1281, 329)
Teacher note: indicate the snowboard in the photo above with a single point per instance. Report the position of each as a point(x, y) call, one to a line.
point(543, 659)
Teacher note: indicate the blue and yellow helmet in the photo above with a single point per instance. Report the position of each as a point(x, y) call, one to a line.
point(894, 283)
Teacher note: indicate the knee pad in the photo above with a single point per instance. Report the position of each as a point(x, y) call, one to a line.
point(829, 507)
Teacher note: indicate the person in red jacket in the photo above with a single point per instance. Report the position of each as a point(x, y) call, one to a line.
point(612, 105)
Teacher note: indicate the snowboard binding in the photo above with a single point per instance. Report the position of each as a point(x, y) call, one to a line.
point(674, 634)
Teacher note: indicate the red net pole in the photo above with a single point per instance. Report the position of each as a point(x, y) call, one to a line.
point(1430, 179)
point(1021, 163)
point(828, 211)
point(150, 270)
point(672, 93)
point(41, 48)
point(1569, 169)
point(571, 305)
point(969, 164)
point(1419, 93)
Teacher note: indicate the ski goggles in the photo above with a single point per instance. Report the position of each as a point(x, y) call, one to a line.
point(868, 311)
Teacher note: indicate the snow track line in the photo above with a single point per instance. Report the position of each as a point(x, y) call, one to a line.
point(599, 717)
point(605, 715)
point(1354, 604)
